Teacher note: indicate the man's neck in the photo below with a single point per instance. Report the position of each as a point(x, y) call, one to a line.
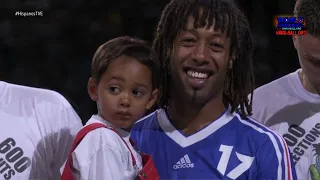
point(306, 83)
point(191, 118)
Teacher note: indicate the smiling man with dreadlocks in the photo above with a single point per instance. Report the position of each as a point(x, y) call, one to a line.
point(202, 130)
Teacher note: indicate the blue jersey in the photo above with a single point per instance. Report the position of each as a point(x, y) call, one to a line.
point(228, 148)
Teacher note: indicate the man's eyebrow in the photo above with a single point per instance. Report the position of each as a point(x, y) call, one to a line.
point(189, 30)
point(193, 30)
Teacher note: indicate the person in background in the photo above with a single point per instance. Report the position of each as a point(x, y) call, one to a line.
point(290, 105)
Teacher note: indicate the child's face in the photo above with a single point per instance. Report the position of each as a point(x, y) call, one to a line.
point(124, 92)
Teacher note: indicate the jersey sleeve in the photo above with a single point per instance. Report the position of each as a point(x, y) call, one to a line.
point(95, 159)
point(274, 160)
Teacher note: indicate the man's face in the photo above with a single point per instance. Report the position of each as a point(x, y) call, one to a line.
point(199, 62)
point(308, 48)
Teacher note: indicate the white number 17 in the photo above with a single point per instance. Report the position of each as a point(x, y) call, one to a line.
point(246, 162)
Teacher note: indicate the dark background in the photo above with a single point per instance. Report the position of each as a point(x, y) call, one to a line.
point(55, 51)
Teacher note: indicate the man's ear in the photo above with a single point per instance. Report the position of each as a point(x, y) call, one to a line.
point(93, 89)
point(153, 99)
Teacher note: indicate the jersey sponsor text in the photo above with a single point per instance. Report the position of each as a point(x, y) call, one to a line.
point(13, 160)
point(184, 162)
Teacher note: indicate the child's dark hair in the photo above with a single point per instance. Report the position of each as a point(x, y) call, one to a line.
point(227, 17)
point(309, 11)
point(128, 46)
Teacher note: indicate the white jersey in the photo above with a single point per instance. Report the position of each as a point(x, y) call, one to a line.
point(102, 154)
point(286, 107)
point(37, 128)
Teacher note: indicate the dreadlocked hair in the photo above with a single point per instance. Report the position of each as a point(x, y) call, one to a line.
point(309, 10)
point(225, 16)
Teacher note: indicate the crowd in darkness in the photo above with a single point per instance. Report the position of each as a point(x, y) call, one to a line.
point(54, 51)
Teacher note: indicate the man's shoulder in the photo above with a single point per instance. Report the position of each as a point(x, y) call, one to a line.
point(36, 100)
point(254, 128)
point(277, 86)
point(267, 141)
point(40, 95)
point(270, 97)
point(147, 120)
point(145, 127)
point(260, 134)
point(40, 105)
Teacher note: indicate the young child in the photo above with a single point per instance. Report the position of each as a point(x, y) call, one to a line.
point(124, 84)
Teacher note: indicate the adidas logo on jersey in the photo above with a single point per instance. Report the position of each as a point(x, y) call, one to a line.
point(184, 162)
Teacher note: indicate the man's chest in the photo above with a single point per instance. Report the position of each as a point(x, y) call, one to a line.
point(303, 139)
point(203, 160)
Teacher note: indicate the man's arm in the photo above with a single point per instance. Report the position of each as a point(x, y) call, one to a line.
point(274, 160)
point(65, 124)
point(70, 126)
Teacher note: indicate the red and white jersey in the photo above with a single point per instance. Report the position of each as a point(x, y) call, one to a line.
point(37, 128)
point(286, 107)
point(102, 154)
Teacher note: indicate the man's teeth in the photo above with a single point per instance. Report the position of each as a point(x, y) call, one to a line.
point(197, 74)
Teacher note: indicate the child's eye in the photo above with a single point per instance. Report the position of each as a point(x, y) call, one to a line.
point(137, 92)
point(114, 89)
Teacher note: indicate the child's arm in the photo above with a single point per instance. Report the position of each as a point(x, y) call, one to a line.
point(101, 166)
point(99, 157)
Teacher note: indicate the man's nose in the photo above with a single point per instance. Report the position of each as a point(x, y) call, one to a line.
point(200, 54)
